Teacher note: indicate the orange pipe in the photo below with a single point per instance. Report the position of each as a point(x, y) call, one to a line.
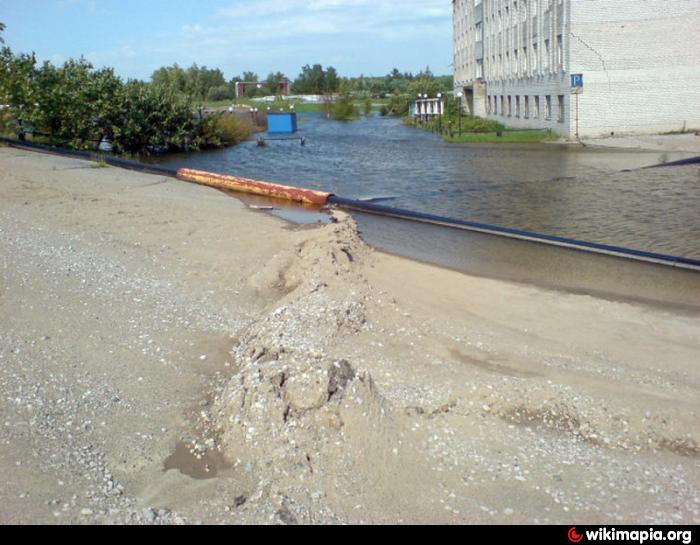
point(245, 185)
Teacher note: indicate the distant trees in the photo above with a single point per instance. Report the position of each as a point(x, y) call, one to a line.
point(195, 81)
point(314, 80)
point(205, 84)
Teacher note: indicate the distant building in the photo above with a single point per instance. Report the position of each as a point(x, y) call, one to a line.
point(639, 62)
point(283, 87)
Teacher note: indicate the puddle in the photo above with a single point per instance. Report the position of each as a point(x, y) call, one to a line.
point(299, 214)
point(184, 460)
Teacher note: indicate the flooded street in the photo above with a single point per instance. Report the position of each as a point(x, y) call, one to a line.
point(578, 193)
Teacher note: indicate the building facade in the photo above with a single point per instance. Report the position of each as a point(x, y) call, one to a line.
point(639, 61)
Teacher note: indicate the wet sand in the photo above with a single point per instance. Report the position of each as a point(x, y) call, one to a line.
point(169, 356)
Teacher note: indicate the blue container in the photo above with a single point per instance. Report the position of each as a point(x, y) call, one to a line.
point(282, 123)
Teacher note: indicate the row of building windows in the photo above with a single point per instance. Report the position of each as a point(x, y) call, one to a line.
point(508, 11)
point(521, 47)
point(521, 63)
point(526, 107)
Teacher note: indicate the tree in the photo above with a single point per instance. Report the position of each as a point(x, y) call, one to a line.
point(2, 29)
point(151, 119)
point(312, 80)
point(250, 77)
point(196, 81)
point(18, 87)
point(332, 80)
point(74, 102)
point(344, 108)
point(273, 82)
point(223, 92)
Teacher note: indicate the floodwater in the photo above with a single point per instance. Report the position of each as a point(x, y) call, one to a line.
point(572, 192)
point(591, 194)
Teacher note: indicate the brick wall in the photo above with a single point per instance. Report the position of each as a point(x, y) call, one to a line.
point(640, 60)
point(641, 65)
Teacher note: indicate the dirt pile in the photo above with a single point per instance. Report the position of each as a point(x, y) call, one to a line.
point(294, 411)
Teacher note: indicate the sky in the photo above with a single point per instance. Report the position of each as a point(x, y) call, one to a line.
point(135, 37)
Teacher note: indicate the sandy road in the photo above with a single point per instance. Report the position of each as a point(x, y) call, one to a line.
point(339, 384)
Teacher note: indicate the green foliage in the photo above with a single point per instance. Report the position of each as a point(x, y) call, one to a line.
point(272, 84)
point(314, 80)
point(151, 119)
point(224, 92)
point(77, 106)
point(2, 29)
point(397, 83)
point(195, 81)
point(73, 103)
point(18, 89)
point(502, 137)
point(344, 108)
point(368, 106)
point(223, 130)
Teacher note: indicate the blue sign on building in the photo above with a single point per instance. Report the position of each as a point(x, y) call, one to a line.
point(576, 80)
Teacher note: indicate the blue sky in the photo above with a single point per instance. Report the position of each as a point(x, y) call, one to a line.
point(138, 36)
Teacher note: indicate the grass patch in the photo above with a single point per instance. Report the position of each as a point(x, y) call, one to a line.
point(100, 164)
point(507, 137)
point(299, 106)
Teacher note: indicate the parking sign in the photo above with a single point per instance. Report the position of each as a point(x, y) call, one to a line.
point(577, 83)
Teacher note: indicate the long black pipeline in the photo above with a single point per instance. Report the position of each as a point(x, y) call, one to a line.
point(607, 249)
point(376, 209)
point(92, 156)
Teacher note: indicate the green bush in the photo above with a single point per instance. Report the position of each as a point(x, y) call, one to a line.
point(344, 109)
point(148, 118)
point(223, 130)
point(224, 92)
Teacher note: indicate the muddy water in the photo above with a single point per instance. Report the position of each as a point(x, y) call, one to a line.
point(203, 466)
point(580, 193)
point(573, 192)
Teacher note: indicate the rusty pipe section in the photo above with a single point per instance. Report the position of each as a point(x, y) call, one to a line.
point(256, 187)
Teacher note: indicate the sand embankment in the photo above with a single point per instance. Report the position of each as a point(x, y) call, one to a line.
point(317, 379)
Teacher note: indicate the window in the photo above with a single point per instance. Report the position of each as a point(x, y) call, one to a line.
point(527, 107)
point(517, 106)
point(548, 107)
point(503, 105)
point(535, 63)
point(561, 109)
point(510, 106)
point(560, 53)
point(537, 107)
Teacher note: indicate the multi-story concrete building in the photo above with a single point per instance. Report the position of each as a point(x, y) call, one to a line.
point(639, 61)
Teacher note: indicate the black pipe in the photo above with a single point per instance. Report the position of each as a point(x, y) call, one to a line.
point(92, 156)
point(679, 163)
point(377, 209)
